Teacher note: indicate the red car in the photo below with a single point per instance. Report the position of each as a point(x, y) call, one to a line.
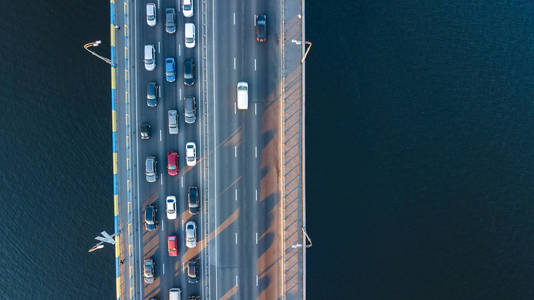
point(172, 163)
point(172, 246)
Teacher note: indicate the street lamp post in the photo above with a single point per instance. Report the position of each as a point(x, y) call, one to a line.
point(95, 44)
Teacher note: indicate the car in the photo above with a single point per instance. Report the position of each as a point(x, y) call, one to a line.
point(172, 245)
point(173, 121)
point(193, 200)
point(151, 14)
point(151, 217)
point(189, 33)
point(189, 72)
point(190, 110)
point(187, 8)
point(152, 94)
point(191, 154)
point(191, 234)
point(170, 23)
point(242, 95)
point(150, 57)
point(144, 131)
point(261, 28)
point(151, 168)
point(172, 163)
point(148, 270)
point(192, 272)
point(171, 207)
point(170, 69)
point(175, 294)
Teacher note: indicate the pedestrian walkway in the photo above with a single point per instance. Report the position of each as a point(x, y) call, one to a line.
point(293, 168)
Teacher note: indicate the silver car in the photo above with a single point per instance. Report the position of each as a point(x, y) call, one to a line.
point(191, 234)
point(151, 168)
point(148, 270)
point(170, 24)
point(190, 110)
point(173, 121)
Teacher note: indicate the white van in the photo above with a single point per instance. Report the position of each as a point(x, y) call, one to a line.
point(189, 35)
point(175, 294)
point(173, 121)
point(150, 57)
point(242, 95)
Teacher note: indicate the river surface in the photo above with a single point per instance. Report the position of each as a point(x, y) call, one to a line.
point(420, 150)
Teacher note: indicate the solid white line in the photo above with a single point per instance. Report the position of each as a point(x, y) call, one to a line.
point(256, 196)
point(160, 135)
point(235, 65)
point(256, 238)
point(163, 269)
point(235, 151)
point(255, 108)
point(256, 151)
point(234, 18)
point(256, 280)
point(236, 238)
point(182, 181)
point(235, 194)
point(159, 47)
point(254, 64)
point(236, 280)
point(216, 262)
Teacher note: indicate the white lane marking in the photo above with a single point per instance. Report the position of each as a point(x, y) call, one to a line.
point(161, 175)
point(235, 194)
point(254, 64)
point(256, 238)
point(254, 21)
point(162, 226)
point(179, 50)
point(235, 151)
point(234, 18)
point(160, 135)
point(257, 280)
point(159, 47)
point(158, 4)
point(182, 181)
point(255, 108)
point(216, 258)
point(235, 63)
point(256, 151)
point(236, 238)
point(236, 280)
point(256, 200)
point(164, 270)
point(183, 266)
point(235, 108)
point(180, 91)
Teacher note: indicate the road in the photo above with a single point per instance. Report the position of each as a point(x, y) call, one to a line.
point(240, 206)
point(238, 229)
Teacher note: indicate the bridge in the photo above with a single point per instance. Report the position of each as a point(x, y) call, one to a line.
point(250, 164)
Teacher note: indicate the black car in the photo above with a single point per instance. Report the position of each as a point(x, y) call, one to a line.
point(193, 200)
point(145, 131)
point(192, 272)
point(150, 217)
point(261, 28)
point(189, 72)
point(152, 92)
point(190, 108)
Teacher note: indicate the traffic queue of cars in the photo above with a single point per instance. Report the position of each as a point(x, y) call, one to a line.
point(173, 165)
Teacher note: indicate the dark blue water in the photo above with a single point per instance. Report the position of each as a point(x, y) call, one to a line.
point(430, 196)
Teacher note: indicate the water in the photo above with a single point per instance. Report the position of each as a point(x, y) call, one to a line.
point(429, 194)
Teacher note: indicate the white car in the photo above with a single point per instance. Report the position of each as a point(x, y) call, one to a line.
point(191, 234)
point(171, 207)
point(187, 8)
point(191, 154)
point(173, 121)
point(151, 14)
point(242, 95)
point(189, 35)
